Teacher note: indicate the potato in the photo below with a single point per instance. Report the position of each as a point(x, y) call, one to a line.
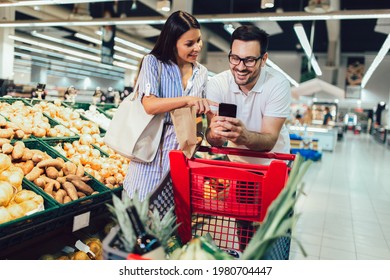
point(52, 172)
point(24, 195)
point(34, 173)
point(4, 215)
point(16, 211)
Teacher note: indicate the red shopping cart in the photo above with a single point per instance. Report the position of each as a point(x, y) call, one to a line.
point(223, 198)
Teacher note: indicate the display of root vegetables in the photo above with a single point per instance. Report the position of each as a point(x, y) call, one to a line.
point(68, 117)
point(110, 170)
point(24, 121)
point(63, 181)
point(15, 202)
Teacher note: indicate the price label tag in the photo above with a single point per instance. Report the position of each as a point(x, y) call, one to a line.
point(81, 221)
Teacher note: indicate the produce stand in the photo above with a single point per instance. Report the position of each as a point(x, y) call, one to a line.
point(45, 231)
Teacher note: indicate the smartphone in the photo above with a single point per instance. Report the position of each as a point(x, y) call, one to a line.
point(227, 110)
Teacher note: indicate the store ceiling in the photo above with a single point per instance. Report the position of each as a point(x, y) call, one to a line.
point(354, 35)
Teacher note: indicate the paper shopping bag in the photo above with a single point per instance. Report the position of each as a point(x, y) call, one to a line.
point(184, 121)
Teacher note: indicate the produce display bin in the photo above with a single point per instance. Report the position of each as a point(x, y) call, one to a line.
point(63, 104)
point(53, 142)
point(13, 231)
point(85, 107)
point(82, 204)
point(28, 103)
point(224, 198)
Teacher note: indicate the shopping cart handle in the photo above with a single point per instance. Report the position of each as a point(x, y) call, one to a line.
point(245, 152)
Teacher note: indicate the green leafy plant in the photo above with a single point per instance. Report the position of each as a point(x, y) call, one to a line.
point(163, 228)
point(280, 217)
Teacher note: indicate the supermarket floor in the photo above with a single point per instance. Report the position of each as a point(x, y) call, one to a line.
point(345, 214)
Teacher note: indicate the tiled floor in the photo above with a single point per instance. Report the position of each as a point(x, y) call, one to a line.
point(345, 214)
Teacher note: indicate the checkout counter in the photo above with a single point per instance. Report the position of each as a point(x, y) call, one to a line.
point(326, 135)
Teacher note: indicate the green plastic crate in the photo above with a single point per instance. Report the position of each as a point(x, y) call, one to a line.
point(81, 204)
point(54, 142)
point(85, 107)
point(24, 223)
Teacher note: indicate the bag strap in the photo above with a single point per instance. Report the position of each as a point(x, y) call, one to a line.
point(136, 92)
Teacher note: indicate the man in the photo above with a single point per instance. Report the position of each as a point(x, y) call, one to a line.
point(262, 96)
point(327, 116)
point(263, 99)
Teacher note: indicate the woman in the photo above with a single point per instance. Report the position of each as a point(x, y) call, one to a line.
point(181, 83)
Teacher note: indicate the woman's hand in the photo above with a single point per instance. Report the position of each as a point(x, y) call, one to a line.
point(202, 104)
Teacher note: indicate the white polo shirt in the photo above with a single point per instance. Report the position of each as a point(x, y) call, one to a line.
point(271, 96)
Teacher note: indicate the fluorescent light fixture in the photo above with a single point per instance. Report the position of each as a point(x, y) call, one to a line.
point(273, 65)
point(267, 4)
point(163, 5)
point(65, 42)
point(47, 2)
point(126, 51)
point(55, 48)
point(132, 45)
point(88, 38)
point(378, 59)
point(124, 65)
point(229, 28)
point(300, 31)
point(253, 17)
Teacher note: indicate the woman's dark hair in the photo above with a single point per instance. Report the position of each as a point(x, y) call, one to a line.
point(251, 33)
point(176, 25)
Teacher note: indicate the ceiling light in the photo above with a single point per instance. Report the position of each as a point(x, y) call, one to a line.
point(378, 59)
point(47, 2)
point(273, 65)
point(88, 38)
point(300, 31)
point(163, 5)
point(265, 4)
point(286, 16)
point(229, 28)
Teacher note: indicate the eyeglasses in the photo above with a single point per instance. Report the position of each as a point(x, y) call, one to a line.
point(248, 61)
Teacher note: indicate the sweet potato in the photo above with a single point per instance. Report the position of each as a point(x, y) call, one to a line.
point(69, 168)
point(52, 172)
point(71, 190)
point(40, 182)
point(51, 162)
point(82, 186)
point(34, 173)
point(60, 195)
point(61, 179)
point(80, 170)
point(26, 166)
point(67, 199)
point(71, 177)
point(49, 188)
point(27, 154)
point(55, 183)
point(81, 194)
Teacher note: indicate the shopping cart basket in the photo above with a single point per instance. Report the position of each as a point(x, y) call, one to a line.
point(224, 198)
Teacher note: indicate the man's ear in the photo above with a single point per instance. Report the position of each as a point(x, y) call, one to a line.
point(264, 59)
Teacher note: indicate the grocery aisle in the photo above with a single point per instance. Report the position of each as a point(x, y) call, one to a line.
point(346, 210)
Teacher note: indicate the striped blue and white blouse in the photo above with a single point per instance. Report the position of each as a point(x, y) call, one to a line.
point(144, 177)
